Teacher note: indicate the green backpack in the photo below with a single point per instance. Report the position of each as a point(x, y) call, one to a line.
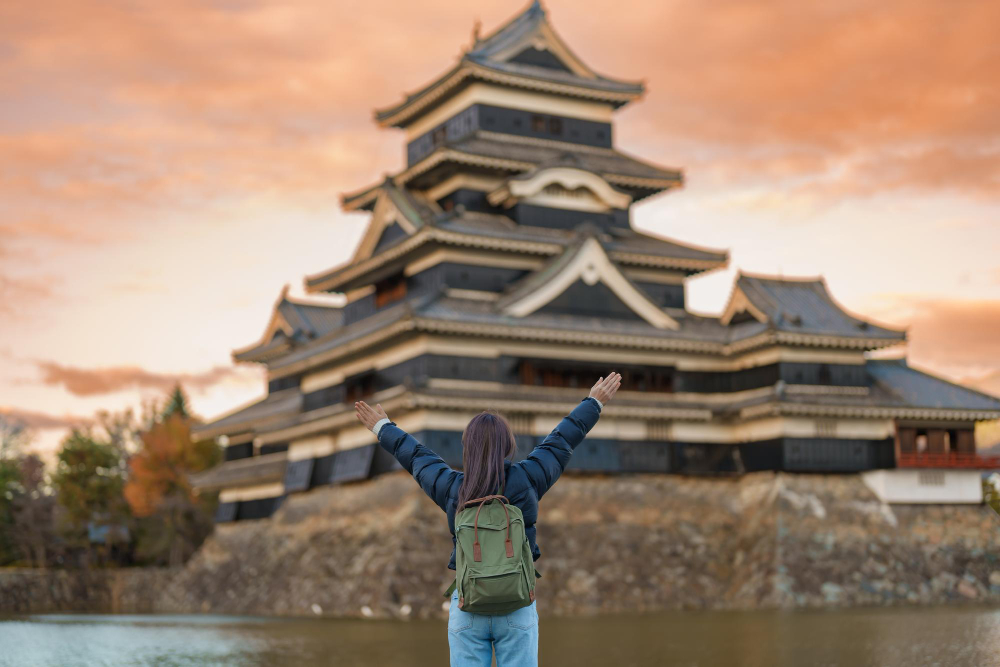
point(495, 573)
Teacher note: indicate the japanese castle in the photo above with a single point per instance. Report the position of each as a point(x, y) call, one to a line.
point(499, 269)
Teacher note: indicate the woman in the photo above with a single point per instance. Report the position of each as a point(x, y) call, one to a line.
point(488, 448)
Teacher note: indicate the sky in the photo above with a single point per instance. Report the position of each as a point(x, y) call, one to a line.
point(165, 168)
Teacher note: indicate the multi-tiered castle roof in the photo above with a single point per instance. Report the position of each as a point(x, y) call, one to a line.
point(499, 268)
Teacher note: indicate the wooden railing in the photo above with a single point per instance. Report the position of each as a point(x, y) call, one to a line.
point(946, 460)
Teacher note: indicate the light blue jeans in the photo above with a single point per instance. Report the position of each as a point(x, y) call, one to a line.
point(472, 637)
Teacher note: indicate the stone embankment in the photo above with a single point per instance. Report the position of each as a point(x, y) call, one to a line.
point(609, 544)
point(131, 591)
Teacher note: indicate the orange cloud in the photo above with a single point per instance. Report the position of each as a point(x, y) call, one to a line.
point(953, 332)
point(39, 420)
point(97, 381)
point(988, 383)
point(16, 292)
point(957, 337)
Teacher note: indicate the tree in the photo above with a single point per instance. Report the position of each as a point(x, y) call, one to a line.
point(172, 520)
point(33, 510)
point(88, 481)
point(122, 429)
point(9, 482)
point(177, 404)
point(13, 437)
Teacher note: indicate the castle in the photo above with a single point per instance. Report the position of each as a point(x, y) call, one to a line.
point(499, 269)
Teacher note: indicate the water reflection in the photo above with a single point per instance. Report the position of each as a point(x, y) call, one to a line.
point(962, 637)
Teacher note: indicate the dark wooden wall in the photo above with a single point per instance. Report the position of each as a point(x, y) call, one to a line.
point(508, 121)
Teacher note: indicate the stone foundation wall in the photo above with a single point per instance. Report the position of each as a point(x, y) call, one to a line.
point(609, 544)
point(133, 591)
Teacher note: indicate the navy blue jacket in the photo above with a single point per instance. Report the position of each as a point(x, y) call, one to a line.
point(526, 481)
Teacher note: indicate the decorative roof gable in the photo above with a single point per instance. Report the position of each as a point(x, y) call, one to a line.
point(391, 205)
point(584, 261)
point(567, 179)
point(501, 152)
point(529, 30)
point(292, 322)
point(524, 53)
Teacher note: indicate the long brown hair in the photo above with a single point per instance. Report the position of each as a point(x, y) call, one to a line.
point(486, 442)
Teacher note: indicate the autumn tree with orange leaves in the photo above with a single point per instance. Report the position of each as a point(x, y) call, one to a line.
point(171, 520)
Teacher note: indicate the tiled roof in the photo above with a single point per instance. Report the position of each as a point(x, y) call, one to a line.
point(311, 319)
point(607, 162)
point(500, 226)
point(917, 388)
point(629, 240)
point(351, 333)
point(486, 225)
point(895, 387)
point(493, 53)
point(518, 33)
point(806, 306)
point(415, 207)
point(484, 312)
point(243, 472)
point(306, 319)
point(273, 407)
point(694, 330)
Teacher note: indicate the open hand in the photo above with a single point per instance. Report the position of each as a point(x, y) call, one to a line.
point(368, 415)
point(605, 388)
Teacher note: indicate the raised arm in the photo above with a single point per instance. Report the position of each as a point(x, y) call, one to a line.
point(546, 462)
point(434, 476)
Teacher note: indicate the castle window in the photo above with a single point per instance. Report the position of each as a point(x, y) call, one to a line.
point(240, 451)
point(538, 123)
point(555, 126)
point(278, 384)
point(273, 448)
point(930, 478)
point(321, 398)
point(440, 135)
point(390, 290)
point(547, 373)
point(359, 387)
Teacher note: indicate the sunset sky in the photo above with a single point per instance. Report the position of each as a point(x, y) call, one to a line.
point(166, 167)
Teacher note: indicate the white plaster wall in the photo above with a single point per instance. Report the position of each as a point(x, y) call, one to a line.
point(950, 487)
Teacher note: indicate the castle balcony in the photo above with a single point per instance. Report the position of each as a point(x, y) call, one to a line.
point(967, 460)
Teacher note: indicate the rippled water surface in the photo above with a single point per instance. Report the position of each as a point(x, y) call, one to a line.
point(958, 637)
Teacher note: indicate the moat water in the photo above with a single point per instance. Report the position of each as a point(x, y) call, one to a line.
point(949, 637)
